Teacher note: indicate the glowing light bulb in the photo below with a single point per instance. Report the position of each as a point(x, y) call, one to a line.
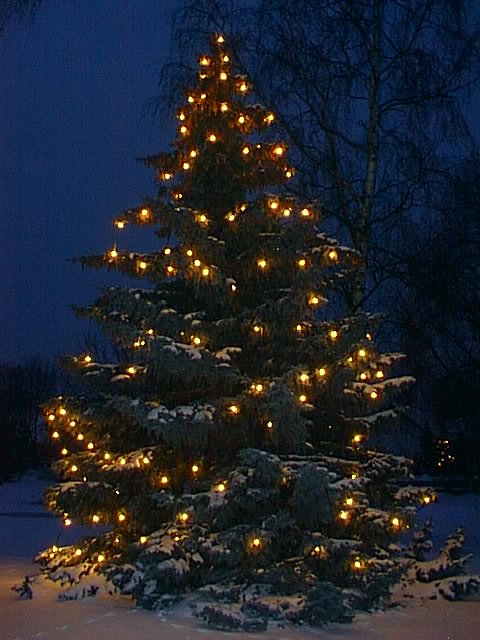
point(333, 255)
point(131, 370)
point(349, 502)
point(241, 120)
point(146, 460)
point(256, 542)
point(230, 217)
point(189, 253)
point(202, 218)
point(197, 262)
point(186, 166)
point(55, 435)
point(226, 59)
point(288, 173)
point(120, 224)
point(87, 359)
point(373, 395)
point(322, 372)
point(343, 515)
point(362, 353)
point(302, 398)
point(233, 408)
point(243, 87)
point(278, 151)
point(205, 271)
point(333, 334)
point(270, 117)
point(90, 446)
point(257, 328)
point(78, 552)
point(74, 468)
point(190, 99)
point(80, 436)
point(299, 328)
point(317, 550)
point(396, 522)
point(357, 438)
point(246, 151)
point(224, 107)
point(51, 417)
point(67, 522)
point(181, 116)
point(107, 456)
point(212, 137)
point(113, 253)
point(301, 263)
point(96, 518)
point(304, 378)
point(183, 517)
point(123, 461)
point(363, 376)
point(193, 153)
point(262, 263)
point(122, 517)
point(203, 96)
point(196, 340)
point(204, 61)
point(164, 480)
point(269, 424)
point(142, 265)
point(100, 557)
point(358, 564)
point(170, 270)
point(220, 39)
point(305, 212)
point(379, 374)
point(223, 75)
point(220, 487)
point(233, 287)
point(274, 205)
point(195, 468)
point(64, 452)
point(286, 213)
point(354, 476)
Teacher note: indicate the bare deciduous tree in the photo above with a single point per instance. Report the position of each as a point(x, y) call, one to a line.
point(368, 93)
point(16, 10)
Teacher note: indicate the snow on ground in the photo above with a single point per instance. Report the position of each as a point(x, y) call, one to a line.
point(25, 528)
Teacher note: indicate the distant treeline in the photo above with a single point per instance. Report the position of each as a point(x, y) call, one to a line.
point(24, 387)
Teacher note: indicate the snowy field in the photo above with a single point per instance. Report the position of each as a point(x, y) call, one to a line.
point(25, 529)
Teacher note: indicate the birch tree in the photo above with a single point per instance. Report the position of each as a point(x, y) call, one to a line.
point(369, 94)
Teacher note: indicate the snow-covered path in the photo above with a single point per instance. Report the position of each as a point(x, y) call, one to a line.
point(26, 530)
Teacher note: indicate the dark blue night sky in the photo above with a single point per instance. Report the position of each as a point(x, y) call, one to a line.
point(74, 83)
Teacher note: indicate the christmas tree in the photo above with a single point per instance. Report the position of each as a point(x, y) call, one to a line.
point(224, 451)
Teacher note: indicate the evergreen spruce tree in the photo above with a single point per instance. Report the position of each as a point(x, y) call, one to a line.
point(225, 451)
